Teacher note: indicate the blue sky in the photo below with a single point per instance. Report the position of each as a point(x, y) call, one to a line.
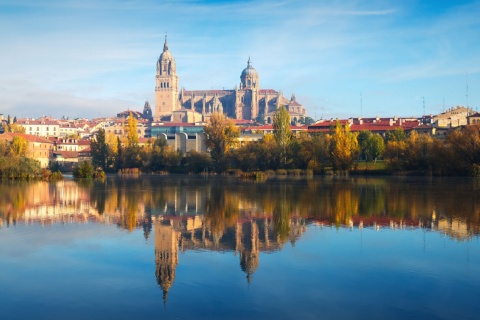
point(94, 58)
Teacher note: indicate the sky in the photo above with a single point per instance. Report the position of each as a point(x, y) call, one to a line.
point(341, 58)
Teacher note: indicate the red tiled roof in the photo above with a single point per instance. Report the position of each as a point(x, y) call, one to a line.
point(270, 127)
point(36, 122)
point(28, 137)
point(177, 124)
point(67, 154)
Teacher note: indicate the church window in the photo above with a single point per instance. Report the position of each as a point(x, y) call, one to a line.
point(248, 82)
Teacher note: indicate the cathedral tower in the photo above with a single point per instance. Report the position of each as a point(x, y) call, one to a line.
point(166, 88)
point(249, 84)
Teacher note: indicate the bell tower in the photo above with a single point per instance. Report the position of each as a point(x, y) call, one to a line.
point(166, 87)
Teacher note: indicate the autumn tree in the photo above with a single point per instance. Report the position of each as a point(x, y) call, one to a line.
point(14, 128)
point(343, 147)
point(465, 148)
point(19, 147)
point(220, 135)
point(131, 131)
point(282, 132)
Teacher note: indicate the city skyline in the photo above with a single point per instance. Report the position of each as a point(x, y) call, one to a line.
point(95, 59)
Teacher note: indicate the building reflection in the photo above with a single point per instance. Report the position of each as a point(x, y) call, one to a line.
point(249, 219)
point(247, 238)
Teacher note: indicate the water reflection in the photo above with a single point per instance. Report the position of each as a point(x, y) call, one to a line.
point(449, 206)
point(223, 214)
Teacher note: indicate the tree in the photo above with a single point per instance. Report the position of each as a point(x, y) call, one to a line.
point(398, 135)
point(260, 118)
point(131, 131)
point(14, 128)
point(221, 135)
point(100, 150)
point(84, 170)
point(343, 147)
point(465, 146)
point(376, 147)
point(281, 131)
point(19, 147)
point(371, 145)
point(306, 121)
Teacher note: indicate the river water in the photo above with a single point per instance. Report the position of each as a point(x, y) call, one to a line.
point(189, 247)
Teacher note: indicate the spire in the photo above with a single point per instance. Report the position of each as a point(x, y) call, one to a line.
point(165, 45)
point(249, 63)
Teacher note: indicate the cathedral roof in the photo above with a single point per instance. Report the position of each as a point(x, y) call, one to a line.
point(249, 70)
point(166, 54)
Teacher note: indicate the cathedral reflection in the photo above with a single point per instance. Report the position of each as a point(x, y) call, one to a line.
point(247, 238)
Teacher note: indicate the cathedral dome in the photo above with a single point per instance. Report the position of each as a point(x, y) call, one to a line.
point(249, 71)
point(166, 54)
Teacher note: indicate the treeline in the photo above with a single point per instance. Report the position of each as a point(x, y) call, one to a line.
point(339, 150)
point(154, 157)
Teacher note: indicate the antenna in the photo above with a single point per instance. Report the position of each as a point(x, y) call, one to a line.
point(423, 105)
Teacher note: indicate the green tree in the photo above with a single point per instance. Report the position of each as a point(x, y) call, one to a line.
point(398, 135)
point(282, 132)
point(306, 121)
point(343, 147)
point(100, 150)
point(371, 145)
point(221, 134)
point(260, 118)
point(376, 147)
point(197, 162)
point(84, 170)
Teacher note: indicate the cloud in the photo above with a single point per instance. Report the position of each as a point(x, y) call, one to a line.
point(103, 52)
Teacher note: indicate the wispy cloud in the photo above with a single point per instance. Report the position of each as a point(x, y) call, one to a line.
point(92, 53)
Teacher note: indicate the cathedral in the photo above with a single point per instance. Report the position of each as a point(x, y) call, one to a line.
point(247, 101)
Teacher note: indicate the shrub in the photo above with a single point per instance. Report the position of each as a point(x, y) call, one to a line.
point(84, 170)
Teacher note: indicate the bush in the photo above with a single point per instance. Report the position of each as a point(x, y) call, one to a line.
point(84, 170)
point(55, 176)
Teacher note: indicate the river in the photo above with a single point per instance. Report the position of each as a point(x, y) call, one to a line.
point(190, 247)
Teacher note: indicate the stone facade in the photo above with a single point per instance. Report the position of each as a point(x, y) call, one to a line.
point(247, 101)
